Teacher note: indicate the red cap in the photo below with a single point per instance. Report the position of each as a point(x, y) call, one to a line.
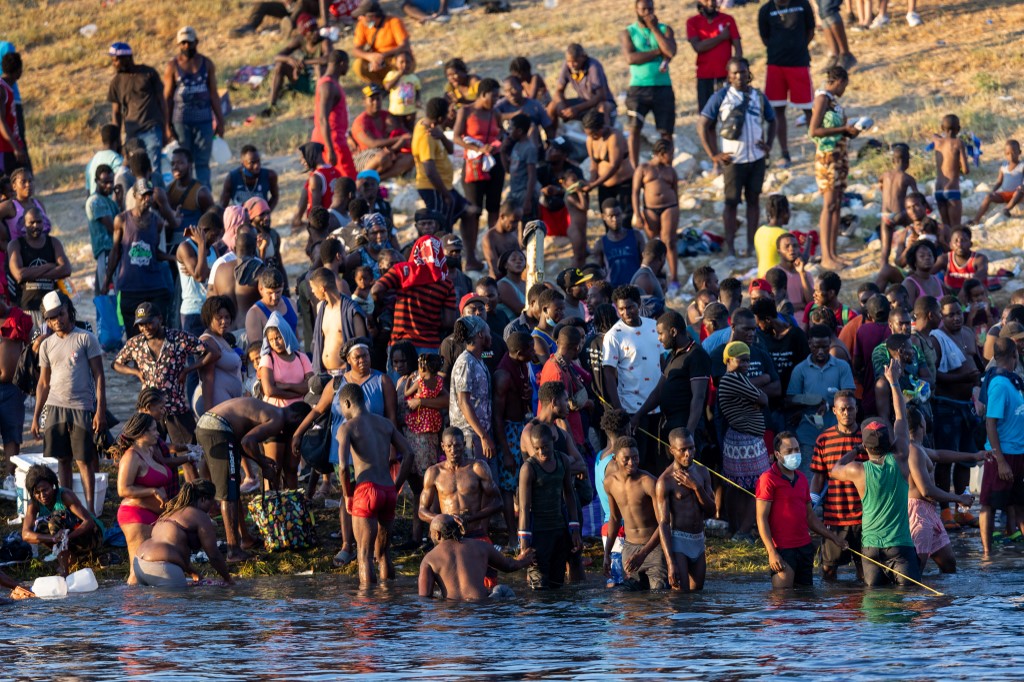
point(306, 23)
point(761, 284)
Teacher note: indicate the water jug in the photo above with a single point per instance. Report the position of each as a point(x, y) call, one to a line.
point(50, 587)
point(82, 581)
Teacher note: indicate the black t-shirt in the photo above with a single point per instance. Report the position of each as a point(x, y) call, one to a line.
point(787, 352)
point(590, 358)
point(140, 92)
point(450, 351)
point(677, 392)
point(760, 363)
point(785, 32)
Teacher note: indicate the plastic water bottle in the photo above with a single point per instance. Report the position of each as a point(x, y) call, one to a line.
point(962, 509)
point(50, 587)
point(618, 574)
point(82, 581)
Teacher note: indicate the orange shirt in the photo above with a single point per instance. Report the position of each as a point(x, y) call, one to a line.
point(387, 36)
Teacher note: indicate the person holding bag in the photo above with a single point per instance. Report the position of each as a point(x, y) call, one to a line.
point(742, 112)
point(478, 131)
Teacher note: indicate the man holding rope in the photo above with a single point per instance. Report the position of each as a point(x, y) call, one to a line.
point(882, 484)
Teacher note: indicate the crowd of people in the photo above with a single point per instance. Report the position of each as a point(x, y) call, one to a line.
point(517, 410)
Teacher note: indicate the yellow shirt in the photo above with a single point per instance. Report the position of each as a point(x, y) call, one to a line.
point(764, 246)
point(426, 148)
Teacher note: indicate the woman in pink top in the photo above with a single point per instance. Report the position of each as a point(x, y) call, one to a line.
point(284, 375)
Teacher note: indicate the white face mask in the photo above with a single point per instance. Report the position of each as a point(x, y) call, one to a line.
point(792, 461)
point(371, 24)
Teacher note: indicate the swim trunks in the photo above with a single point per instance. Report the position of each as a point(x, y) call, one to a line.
point(508, 479)
point(223, 455)
point(801, 560)
point(491, 576)
point(373, 501)
point(690, 545)
point(944, 196)
point(926, 527)
point(653, 566)
point(901, 558)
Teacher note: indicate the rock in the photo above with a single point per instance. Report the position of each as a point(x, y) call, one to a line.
point(719, 207)
point(995, 219)
point(684, 164)
point(686, 143)
point(982, 188)
point(966, 185)
point(719, 182)
point(688, 202)
point(860, 189)
point(404, 199)
point(800, 220)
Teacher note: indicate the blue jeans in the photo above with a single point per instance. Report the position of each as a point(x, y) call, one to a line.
point(153, 141)
point(198, 139)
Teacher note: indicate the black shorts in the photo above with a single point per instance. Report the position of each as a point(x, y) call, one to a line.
point(801, 560)
point(902, 559)
point(659, 100)
point(224, 457)
point(181, 428)
point(67, 434)
point(745, 178)
point(553, 547)
point(705, 88)
point(486, 194)
point(432, 201)
point(832, 556)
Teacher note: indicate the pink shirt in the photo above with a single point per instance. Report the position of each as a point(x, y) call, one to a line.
point(286, 371)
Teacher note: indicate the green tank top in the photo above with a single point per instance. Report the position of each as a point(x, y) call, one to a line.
point(886, 521)
point(649, 74)
point(546, 513)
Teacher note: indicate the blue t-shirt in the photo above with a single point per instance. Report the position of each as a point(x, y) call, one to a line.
point(1006, 405)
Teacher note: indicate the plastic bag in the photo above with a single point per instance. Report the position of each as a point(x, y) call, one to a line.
point(109, 329)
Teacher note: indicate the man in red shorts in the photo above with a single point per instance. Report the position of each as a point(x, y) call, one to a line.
point(787, 28)
point(364, 446)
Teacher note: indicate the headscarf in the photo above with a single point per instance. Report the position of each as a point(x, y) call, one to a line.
point(276, 319)
point(256, 205)
point(313, 154)
point(426, 263)
point(234, 218)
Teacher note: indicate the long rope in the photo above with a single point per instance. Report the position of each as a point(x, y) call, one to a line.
point(739, 487)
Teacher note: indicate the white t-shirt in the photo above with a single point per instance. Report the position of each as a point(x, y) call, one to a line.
point(228, 257)
point(635, 353)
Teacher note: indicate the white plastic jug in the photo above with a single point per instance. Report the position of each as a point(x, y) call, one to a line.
point(50, 587)
point(82, 581)
point(221, 152)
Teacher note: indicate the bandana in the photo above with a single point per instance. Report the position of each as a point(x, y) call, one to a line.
point(234, 218)
point(426, 263)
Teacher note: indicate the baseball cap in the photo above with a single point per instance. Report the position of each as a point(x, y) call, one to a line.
point(451, 241)
point(306, 23)
point(571, 277)
point(561, 144)
point(186, 34)
point(470, 298)
point(52, 305)
point(373, 90)
point(760, 284)
point(735, 349)
point(145, 312)
point(120, 50)
point(1012, 330)
point(368, 7)
point(143, 186)
point(368, 173)
point(425, 214)
point(874, 434)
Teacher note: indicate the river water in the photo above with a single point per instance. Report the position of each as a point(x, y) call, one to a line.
point(323, 628)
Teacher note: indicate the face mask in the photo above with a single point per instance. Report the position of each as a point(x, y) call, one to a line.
point(248, 173)
point(791, 462)
point(455, 262)
point(550, 322)
point(371, 24)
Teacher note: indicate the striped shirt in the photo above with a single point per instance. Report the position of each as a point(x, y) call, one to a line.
point(842, 502)
point(737, 398)
point(418, 309)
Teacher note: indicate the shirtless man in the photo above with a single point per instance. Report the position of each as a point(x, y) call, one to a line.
point(631, 502)
point(458, 569)
point(237, 280)
point(504, 237)
point(657, 211)
point(15, 332)
point(683, 499)
point(462, 487)
point(219, 432)
point(930, 538)
point(950, 164)
point(341, 320)
point(894, 185)
point(364, 446)
point(611, 173)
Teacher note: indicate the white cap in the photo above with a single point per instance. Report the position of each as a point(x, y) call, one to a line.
point(51, 304)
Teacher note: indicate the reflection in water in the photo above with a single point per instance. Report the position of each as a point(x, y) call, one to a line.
point(323, 628)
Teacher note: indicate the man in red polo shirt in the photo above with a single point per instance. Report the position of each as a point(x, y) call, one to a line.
point(785, 517)
point(715, 38)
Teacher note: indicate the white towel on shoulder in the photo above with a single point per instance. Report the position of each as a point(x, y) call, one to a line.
point(952, 356)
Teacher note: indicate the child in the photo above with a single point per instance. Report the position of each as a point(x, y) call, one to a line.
point(1009, 187)
point(252, 384)
point(950, 163)
point(894, 185)
point(577, 201)
point(961, 263)
point(766, 238)
point(533, 84)
point(779, 280)
point(979, 314)
point(921, 227)
point(404, 87)
point(364, 281)
point(656, 204)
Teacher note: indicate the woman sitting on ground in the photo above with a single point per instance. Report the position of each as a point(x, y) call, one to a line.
point(184, 527)
point(55, 517)
point(143, 477)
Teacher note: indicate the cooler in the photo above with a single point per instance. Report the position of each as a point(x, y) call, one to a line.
point(24, 461)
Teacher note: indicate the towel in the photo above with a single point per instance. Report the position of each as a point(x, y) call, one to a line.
point(952, 357)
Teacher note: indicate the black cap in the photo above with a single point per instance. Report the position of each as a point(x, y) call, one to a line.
point(874, 435)
point(145, 312)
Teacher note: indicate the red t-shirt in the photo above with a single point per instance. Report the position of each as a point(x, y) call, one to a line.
point(418, 309)
point(788, 517)
point(711, 64)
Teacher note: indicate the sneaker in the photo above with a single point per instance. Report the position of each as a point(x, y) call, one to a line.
point(801, 120)
point(914, 19)
point(442, 18)
point(673, 290)
point(879, 21)
point(242, 30)
point(249, 485)
point(460, 9)
point(948, 521)
point(848, 61)
point(966, 519)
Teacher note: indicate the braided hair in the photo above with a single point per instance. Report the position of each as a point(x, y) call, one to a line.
point(136, 427)
point(189, 496)
point(148, 397)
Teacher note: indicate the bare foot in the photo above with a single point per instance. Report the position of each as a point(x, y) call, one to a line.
point(830, 264)
point(475, 266)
